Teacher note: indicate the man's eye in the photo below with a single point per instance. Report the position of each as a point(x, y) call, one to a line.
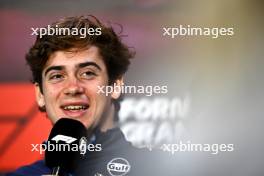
point(56, 77)
point(88, 74)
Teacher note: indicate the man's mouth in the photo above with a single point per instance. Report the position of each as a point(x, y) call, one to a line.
point(75, 110)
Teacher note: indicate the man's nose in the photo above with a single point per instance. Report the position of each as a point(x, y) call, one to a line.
point(74, 87)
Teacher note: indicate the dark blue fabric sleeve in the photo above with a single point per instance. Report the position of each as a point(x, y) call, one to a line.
point(36, 169)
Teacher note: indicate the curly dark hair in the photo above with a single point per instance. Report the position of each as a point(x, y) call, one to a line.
point(116, 55)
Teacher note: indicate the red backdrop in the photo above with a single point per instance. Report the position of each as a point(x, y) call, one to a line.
point(21, 125)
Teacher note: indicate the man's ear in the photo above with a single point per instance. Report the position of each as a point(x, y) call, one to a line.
point(117, 88)
point(39, 96)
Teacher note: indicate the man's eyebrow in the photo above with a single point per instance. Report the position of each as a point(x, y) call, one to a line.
point(81, 65)
point(53, 68)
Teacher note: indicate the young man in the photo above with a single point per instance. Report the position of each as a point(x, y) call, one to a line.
point(68, 68)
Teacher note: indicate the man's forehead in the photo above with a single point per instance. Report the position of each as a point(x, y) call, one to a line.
point(75, 58)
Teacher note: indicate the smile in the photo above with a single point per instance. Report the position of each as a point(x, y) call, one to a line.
point(74, 107)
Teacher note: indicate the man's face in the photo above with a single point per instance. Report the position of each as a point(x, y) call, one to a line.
point(70, 83)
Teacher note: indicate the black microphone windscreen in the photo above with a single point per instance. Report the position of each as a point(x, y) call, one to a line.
point(63, 148)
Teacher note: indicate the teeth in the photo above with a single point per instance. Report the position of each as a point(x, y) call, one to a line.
point(74, 107)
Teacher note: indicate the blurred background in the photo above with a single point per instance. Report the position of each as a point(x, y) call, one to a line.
point(214, 85)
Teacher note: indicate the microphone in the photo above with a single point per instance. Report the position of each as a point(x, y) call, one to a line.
point(66, 146)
